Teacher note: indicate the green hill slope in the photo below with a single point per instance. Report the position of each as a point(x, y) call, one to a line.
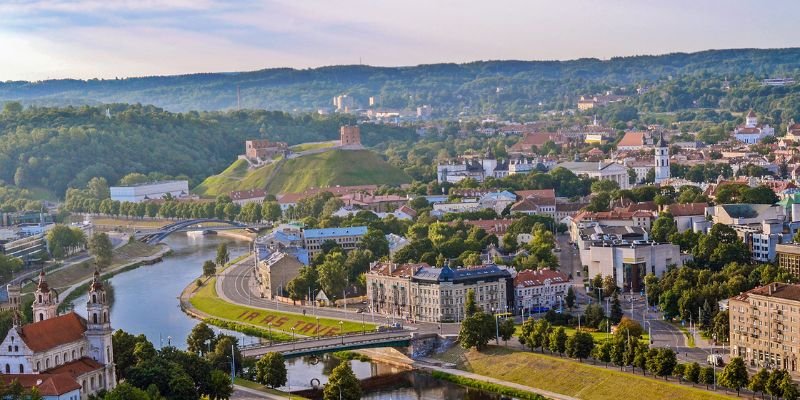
point(336, 167)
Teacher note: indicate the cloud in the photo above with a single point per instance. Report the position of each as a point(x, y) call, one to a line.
point(93, 38)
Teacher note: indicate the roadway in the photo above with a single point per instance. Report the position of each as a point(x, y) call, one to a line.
point(236, 284)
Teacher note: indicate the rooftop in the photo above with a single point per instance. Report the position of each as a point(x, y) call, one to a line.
point(334, 232)
point(531, 278)
point(77, 367)
point(44, 335)
point(776, 289)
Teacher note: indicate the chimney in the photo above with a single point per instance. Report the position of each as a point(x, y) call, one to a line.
point(769, 289)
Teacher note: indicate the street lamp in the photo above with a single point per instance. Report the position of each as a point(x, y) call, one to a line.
point(293, 341)
point(496, 327)
point(342, 331)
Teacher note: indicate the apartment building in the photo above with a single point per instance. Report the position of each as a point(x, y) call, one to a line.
point(347, 238)
point(789, 258)
point(764, 327)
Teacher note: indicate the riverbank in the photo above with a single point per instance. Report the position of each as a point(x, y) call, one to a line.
point(567, 378)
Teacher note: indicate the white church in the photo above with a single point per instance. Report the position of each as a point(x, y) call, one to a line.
point(64, 356)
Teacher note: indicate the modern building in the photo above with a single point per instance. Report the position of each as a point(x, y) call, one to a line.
point(789, 258)
point(347, 238)
point(420, 292)
point(150, 191)
point(763, 327)
point(60, 347)
point(539, 288)
point(275, 272)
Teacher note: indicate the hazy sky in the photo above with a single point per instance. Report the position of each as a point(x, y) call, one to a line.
point(115, 38)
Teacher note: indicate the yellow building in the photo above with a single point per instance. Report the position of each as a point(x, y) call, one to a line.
point(789, 258)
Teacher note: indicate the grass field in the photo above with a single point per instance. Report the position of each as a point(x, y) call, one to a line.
point(66, 277)
point(598, 336)
point(207, 301)
point(330, 168)
point(109, 222)
point(571, 378)
point(314, 145)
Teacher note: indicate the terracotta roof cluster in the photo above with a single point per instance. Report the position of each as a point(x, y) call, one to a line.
point(539, 193)
point(632, 139)
point(612, 215)
point(396, 270)
point(685, 210)
point(534, 139)
point(530, 278)
point(47, 384)
point(358, 198)
point(405, 209)
point(335, 190)
point(44, 335)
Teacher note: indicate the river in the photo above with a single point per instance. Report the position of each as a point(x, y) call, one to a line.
point(146, 301)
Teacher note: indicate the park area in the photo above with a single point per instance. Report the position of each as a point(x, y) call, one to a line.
point(207, 301)
point(568, 377)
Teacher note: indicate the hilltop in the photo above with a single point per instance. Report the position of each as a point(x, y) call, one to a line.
point(450, 88)
point(329, 168)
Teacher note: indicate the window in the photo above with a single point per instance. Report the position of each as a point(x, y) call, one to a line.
point(8, 369)
point(21, 369)
point(38, 366)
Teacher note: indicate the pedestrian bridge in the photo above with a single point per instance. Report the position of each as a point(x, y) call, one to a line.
point(155, 236)
point(317, 346)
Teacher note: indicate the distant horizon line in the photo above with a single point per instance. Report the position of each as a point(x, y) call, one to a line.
point(612, 58)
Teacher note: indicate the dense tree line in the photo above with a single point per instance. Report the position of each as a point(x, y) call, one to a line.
point(59, 148)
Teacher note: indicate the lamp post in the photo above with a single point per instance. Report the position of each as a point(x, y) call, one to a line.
point(649, 331)
point(293, 339)
point(496, 327)
point(341, 330)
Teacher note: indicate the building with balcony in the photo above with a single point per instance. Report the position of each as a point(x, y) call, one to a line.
point(347, 238)
point(539, 288)
point(789, 258)
point(764, 329)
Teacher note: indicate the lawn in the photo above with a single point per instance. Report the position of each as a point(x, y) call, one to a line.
point(66, 277)
point(597, 335)
point(207, 301)
point(314, 145)
point(132, 223)
point(576, 379)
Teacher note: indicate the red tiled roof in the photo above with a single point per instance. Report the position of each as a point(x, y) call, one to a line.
point(684, 210)
point(539, 193)
point(47, 384)
point(632, 139)
point(44, 335)
point(529, 278)
point(392, 269)
point(77, 367)
point(776, 289)
point(534, 139)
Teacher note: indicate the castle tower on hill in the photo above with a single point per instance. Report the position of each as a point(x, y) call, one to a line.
point(350, 135)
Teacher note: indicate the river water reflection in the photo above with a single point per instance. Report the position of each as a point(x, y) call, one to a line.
point(146, 301)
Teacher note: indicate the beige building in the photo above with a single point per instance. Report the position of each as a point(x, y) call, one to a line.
point(275, 272)
point(764, 327)
point(789, 258)
point(424, 293)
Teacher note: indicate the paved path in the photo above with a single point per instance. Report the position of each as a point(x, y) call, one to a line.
point(244, 393)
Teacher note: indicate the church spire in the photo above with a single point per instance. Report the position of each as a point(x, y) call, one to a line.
point(45, 300)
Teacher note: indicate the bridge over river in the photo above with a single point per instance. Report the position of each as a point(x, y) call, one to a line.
point(306, 347)
point(157, 235)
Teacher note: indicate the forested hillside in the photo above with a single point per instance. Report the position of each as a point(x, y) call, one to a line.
point(57, 148)
point(487, 86)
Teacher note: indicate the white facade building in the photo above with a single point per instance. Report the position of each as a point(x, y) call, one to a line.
point(149, 191)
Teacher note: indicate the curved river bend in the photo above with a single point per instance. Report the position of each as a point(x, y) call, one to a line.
point(146, 302)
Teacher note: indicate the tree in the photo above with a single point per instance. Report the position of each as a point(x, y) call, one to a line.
point(580, 345)
point(773, 386)
point(469, 306)
point(100, 247)
point(476, 330)
point(692, 373)
point(570, 298)
point(594, 315)
point(342, 384)
point(661, 362)
point(758, 382)
point(220, 386)
point(640, 360)
point(209, 268)
point(271, 370)
point(609, 286)
point(223, 256)
point(271, 211)
point(707, 376)
point(200, 338)
point(678, 371)
point(375, 241)
point(526, 331)
point(663, 227)
point(333, 274)
point(628, 327)
point(615, 315)
point(12, 107)
point(507, 329)
point(734, 375)
point(558, 341)
point(126, 391)
point(540, 336)
point(789, 388)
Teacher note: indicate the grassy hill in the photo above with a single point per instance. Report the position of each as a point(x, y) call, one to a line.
point(336, 167)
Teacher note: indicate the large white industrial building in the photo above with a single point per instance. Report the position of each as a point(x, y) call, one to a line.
point(149, 191)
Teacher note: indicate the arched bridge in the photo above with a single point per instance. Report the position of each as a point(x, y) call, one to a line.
point(153, 237)
point(317, 346)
